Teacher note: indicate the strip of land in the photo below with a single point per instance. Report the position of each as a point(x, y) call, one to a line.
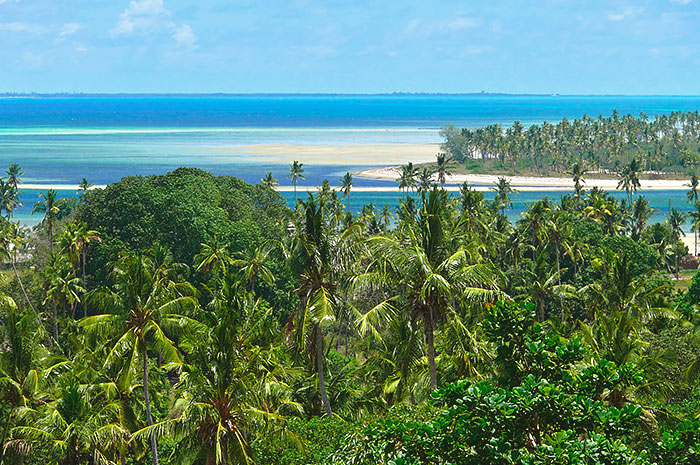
point(391, 173)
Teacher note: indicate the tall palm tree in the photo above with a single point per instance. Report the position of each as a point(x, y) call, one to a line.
point(693, 194)
point(20, 336)
point(11, 241)
point(407, 179)
point(141, 308)
point(230, 388)
point(74, 240)
point(629, 179)
point(317, 256)
point(503, 191)
point(296, 171)
point(14, 172)
point(386, 216)
point(78, 426)
point(269, 181)
point(425, 181)
point(641, 212)
point(577, 174)
point(50, 205)
point(694, 216)
point(442, 172)
point(345, 186)
point(64, 287)
point(253, 263)
point(83, 188)
point(675, 219)
point(9, 197)
point(432, 271)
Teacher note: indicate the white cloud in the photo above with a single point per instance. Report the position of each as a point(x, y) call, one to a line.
point(20, 27)
point(184, 36)
point(461, 23)
point(426, 28)
point(681, 2)
point(69, 29)
point(33, 60)
point(624, 14)
point(151, 16)
point(139, 16)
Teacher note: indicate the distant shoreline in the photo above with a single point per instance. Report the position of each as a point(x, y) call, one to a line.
point(320, 94)
point(391, 173)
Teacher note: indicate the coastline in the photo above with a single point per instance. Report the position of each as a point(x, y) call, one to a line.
point(391, 173)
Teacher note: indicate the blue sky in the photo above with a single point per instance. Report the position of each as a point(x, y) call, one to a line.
point(529, 46)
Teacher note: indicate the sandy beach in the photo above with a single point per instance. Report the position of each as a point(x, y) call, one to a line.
point(339, 154)
point(391, 173)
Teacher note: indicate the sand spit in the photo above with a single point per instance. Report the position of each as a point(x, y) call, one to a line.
point(391, 173)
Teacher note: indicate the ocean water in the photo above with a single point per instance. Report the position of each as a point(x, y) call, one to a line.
point(61, 139)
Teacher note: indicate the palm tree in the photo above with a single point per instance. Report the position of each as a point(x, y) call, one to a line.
point(78, 426)
point(425, 181)
point(14, 171)
point(50, 205)
point(9, 198)
point(385, 216)
point(545, 285)
point(503, 192)
point(295, 172)
point(253, 263)
point(64, 287)
point(11, 240)
point(20, 336)
point(143, 305)
point(231, 388)
point(317, 256)
point(695, 224)
point(577, 174)
point(629, 179)
point(641, 212)
point(433, 273)
point(213, 259)
point(407, 179)
point(74, 240)
point(675, 219)
point(345, 186)
point(693, 194)
point(269, 181)
point(83, 188)
point(442, 173)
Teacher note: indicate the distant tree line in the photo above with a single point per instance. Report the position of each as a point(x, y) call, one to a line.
point(665, 143)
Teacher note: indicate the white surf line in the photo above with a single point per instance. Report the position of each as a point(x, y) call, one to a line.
point(58, 187)
point(454, 188)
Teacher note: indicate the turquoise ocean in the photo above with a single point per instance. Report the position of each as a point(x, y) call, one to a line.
point(58, 140)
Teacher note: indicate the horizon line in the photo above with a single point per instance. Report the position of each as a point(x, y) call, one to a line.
point(321, 94)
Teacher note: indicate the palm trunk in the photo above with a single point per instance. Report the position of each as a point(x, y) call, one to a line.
point(348, 202)
point(4, 435)
point(295, 193)
point(21, 285)
point(430, 340)
point(696, 242)
point(321, 372)
point(147, 400)
point(561, 302)
point(84, 280)
point(55, 320)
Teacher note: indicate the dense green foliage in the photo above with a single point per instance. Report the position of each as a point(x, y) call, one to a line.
point(194, 319)
point(667, 143)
